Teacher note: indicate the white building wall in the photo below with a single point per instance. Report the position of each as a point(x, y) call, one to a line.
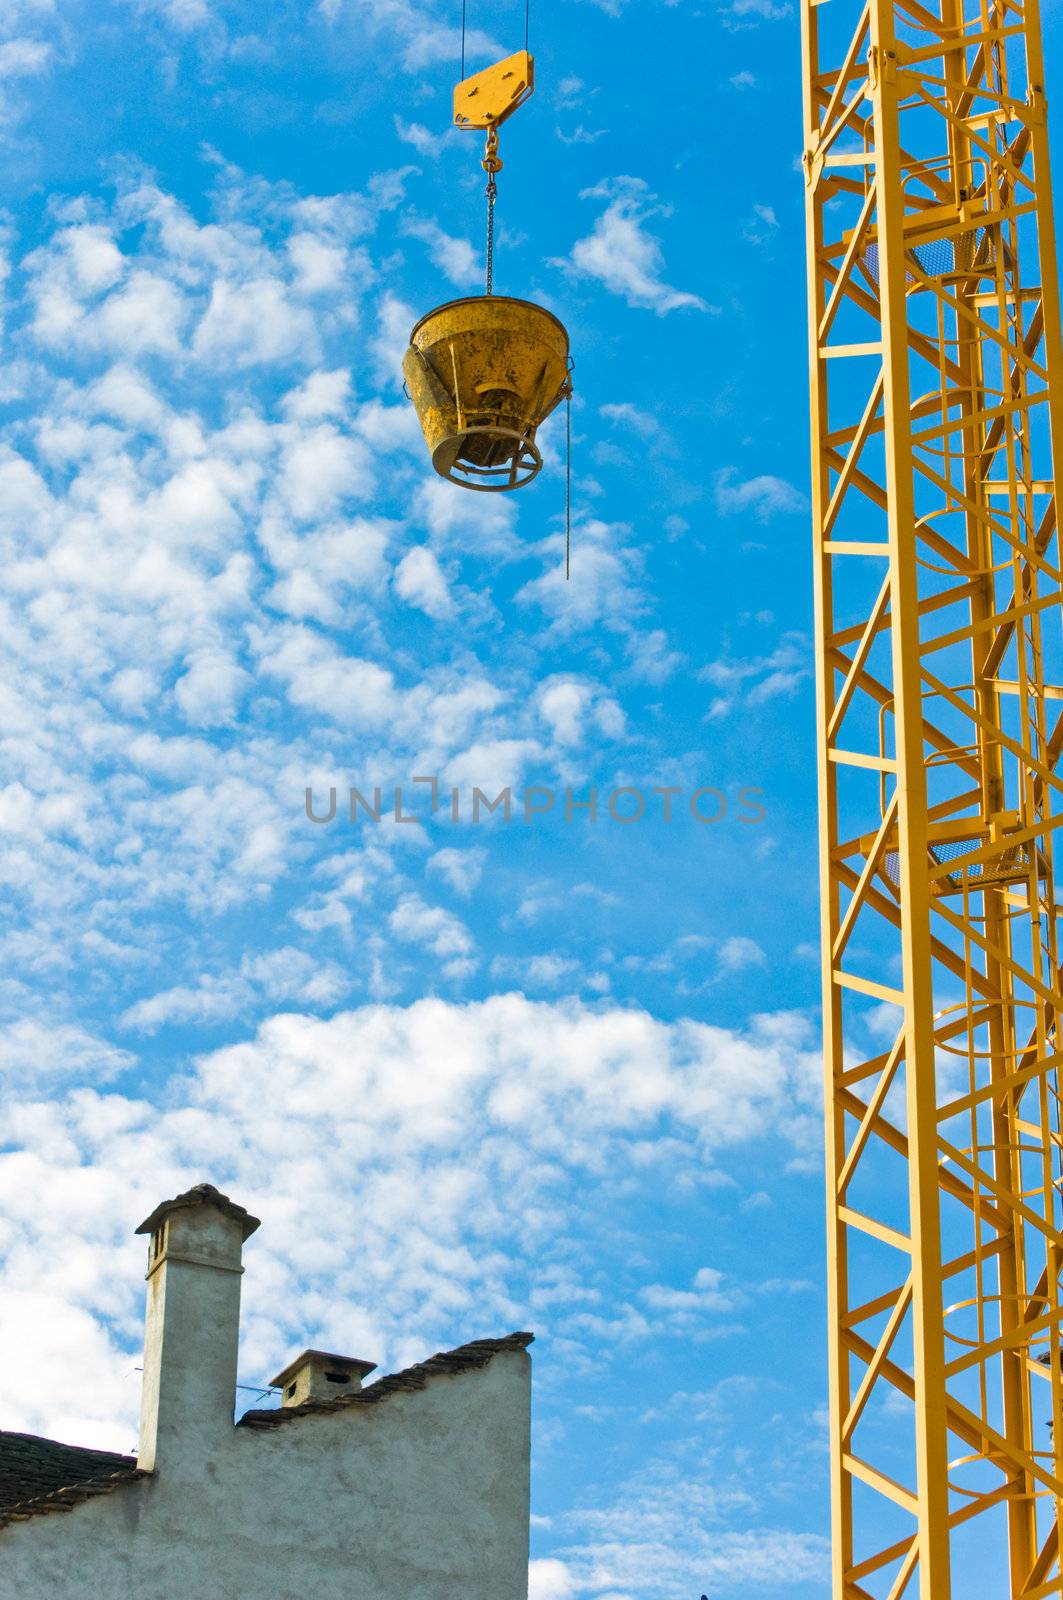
point(421, 1497)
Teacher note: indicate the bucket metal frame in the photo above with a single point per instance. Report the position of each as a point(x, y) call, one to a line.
point(483, 373)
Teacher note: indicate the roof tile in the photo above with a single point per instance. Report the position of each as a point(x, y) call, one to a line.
point(38, 1475)
point(445, 1362)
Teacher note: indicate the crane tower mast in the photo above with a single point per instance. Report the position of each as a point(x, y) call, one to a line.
point(936, 400)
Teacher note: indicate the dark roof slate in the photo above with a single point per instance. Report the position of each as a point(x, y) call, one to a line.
point(466, 1358)
point(39, 1475)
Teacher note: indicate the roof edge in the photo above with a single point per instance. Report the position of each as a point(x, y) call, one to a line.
point(71, 1495)
point(445, 1363)
point(201, 1194)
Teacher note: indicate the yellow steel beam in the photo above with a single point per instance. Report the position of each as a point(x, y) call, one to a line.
point(931, 245)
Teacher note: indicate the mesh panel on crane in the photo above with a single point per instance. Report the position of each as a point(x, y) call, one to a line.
point(1011, 862)
point(938, 257)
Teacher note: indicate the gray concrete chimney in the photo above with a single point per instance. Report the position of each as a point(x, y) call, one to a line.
point(318, 1375)
point(192, 1327)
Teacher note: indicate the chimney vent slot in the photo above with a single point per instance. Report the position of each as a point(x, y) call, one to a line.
point(321, 1375)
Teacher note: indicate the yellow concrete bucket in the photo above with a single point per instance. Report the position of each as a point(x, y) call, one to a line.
point(482, 374)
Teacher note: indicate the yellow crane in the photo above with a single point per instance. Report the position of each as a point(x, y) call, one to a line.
point(937, 414)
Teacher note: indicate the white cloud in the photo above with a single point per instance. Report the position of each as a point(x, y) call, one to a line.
point(457, 259)
point(686, 1308)
point(481, 522)
point(210, 690)
point(550, 1579)
point(250, 324)
point(390, 1125)
point(883, 1021)
point(754, 680)
point(738, 954)
point(604, 586)
point(423, 41)
point(572, 708)
point(280, 975)
point(221, 291)
point(446, 936)
point(624, 414)
point(320, 266)
point(320, 468)
point(389, 343)
point(322, 394)
point(66, 1337)
point(562, 704)
point(321, 568)
point(620, 254)
point(126, 394)
point(664, 1536)
point(570, 91)
point(581, 135)
point(144, 316)
point(420, 580)
point(462, 869)
point(39, 1053)
point(762, 224)
point(651, 660)
point(318, 677)
point(763, 496)
point(142, 313)
point(386, 428)
point(23, 58)
point(741, 14)
point(421, 138)
point(548, 971)
point(492, 764)
point(184, 15)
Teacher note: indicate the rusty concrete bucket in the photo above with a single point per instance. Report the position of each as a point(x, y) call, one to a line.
point(483, 373)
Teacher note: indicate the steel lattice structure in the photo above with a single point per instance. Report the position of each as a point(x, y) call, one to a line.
point(936, 393)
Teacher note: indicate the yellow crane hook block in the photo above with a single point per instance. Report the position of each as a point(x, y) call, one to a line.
point(487, 98)
point(483, 373)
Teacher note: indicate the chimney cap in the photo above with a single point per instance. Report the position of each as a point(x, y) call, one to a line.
point(202, 1194)
point(357, 1366)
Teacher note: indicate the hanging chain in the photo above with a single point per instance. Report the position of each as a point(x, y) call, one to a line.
point(492, 164)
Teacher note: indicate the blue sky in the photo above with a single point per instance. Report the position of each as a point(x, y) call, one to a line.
point(473, 1077)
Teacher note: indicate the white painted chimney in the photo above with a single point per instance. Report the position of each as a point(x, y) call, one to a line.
point(192, 1327)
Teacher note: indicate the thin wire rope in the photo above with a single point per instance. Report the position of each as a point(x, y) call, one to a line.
point(527, 29)
point(568, 481)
